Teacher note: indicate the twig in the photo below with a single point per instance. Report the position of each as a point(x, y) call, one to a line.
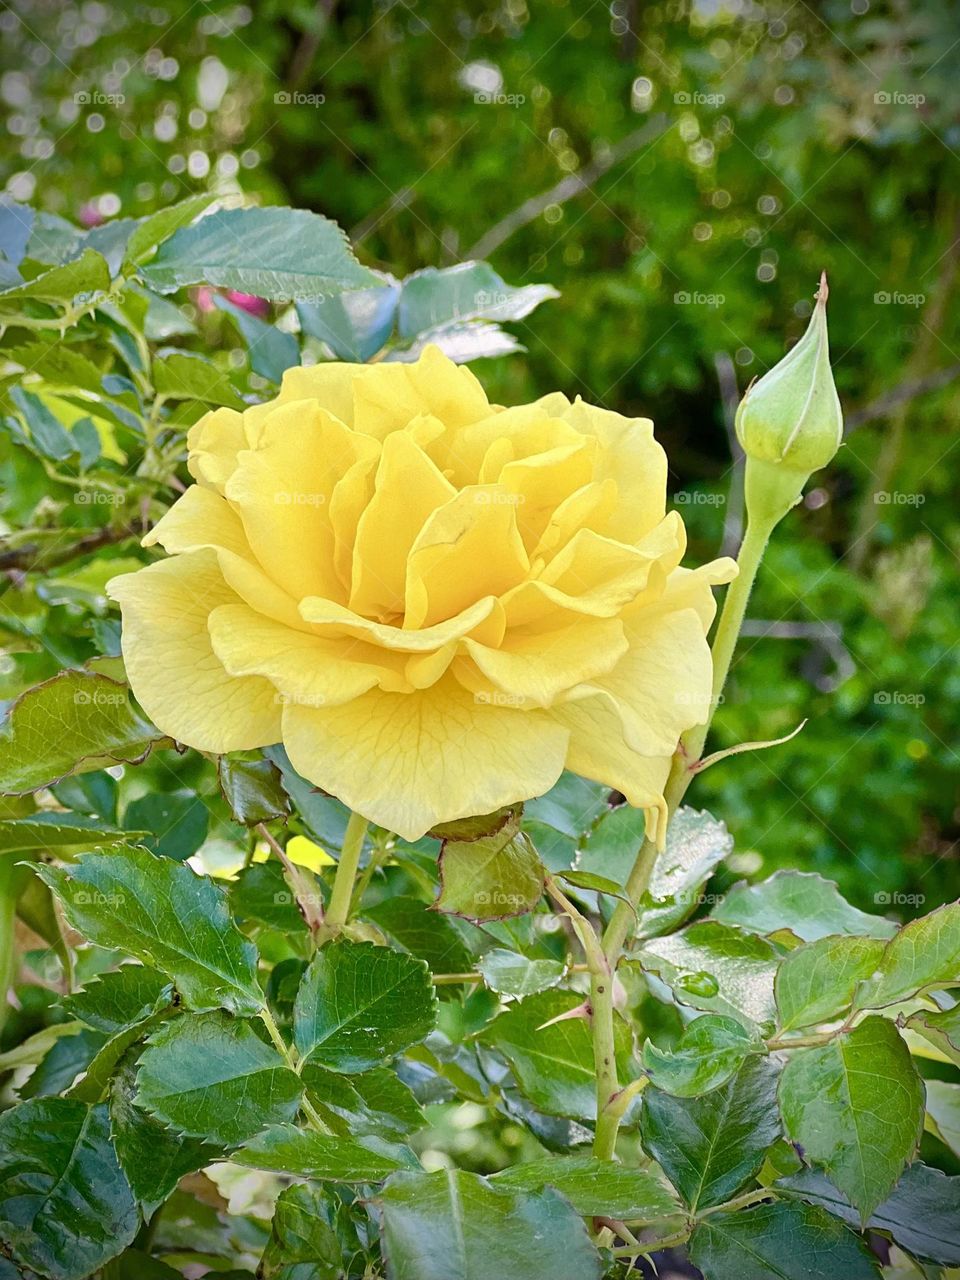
point(303, 889)
point(567, 188)
point(906, 391)
point(32, 558)
point(730, 398)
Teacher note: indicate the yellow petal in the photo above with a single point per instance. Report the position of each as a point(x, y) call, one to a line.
point(543, 480)
point(409, 761)
point(282, 490)
point(541, 664)
point(304, 668)
point(662, 685)
point(174, 673)
point(597, 751)
point(214, 442)
point(329, 618)
point(329, 383)
point(304, 853)
point(199, 518)
point(408, 489)
point(469, 548)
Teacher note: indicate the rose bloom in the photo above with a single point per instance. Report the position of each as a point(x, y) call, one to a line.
point(436, 604)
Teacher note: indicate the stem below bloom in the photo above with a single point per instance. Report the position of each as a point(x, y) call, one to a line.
point(10, 880)
point(338, 908)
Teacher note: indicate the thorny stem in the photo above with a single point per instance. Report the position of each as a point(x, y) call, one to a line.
point(681, 774)
point(338, 908)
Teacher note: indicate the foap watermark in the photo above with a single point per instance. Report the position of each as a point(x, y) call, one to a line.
point(94, 98)
point(898, 698)
point(898, 899)
point(294, 98)
point(99, 698)
point(293, 498)
point(898, 498)
point(699, 99)
point(694, 498)
point(499, 498)
point(94, 898)
point(284, 898)
point(685, 299)
point(299, 699)
point(498, 898)
point(99, 498)
point(893, 98)
point(897, 299)
point(497, 698)
point(485, 99)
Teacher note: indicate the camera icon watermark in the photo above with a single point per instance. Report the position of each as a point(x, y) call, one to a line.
point(898, 899)
point(94, 898)
point(897, 299)
point(98, 698)
point(694, 498)
point(698, 99)
point(498, 698)
point(294, 498)
point(888, 98)
point(294, 98)
point(898, 498)
point(897, 698)
point(98, 498)
point(94, 98)
point(685, 299)
point(485, 99)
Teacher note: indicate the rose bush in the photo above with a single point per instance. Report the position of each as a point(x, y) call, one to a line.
point(436, 604)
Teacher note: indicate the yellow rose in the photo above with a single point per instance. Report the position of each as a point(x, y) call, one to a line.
point(435, 603)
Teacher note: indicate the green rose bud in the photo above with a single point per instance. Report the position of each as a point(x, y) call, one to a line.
point(790, 423)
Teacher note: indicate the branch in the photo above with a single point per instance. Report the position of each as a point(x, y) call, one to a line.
point(567, 188)
point(33, 558)
point(906, 391)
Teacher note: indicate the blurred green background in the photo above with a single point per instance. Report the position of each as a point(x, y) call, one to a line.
point(682, 173)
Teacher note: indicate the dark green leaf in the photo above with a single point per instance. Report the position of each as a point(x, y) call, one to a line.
point(280, 254)
point(491, 878)
point(593, 883)
point(597, 1188)
point(253, 789)
point(261, 893)
point(708, 1053)
point(62, 1063)
point(922, 1215)
point(925, 953)
point(65, 833)
point(802, 902)
point(65, 1206)
point(452, 1225)
point(943, 1112)
point(469, 291)
point(786, 1241)
point(271, 350)
point(717, 968)
point(571, 806)
point(359, 1004)
point(855, 1105)
point(47, 435)
point(816, 983)
point(165, 915)
point(177, 819)
point(284, 1148)
point(425, 933)
point(374, 1102)
point(709, 1147)
point(74, 723)
point(153, 1157)
point(515, 975)
point(120, 998)
point(303, 1244)
point(554, 1064)
point(210, 1076)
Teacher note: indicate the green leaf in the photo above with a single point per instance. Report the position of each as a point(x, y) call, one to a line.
point(453, 1225)
point(271, 350)
point(303, 1244)
point(74, 723)
point(304, 1153)
point(118, 999)
point(149, 232)
point(469, 291)
point(359, 1004)
point(167, 916)
point(941, 1029)
point(134, 1265)
point(708, 1053)
point(943, 1112)
point(460, 341)
point(922, 1215)
point(210, 1076)
point(280, 254)
point(153, 1157)
point(593, 883)
point(925, 953)
point(802, 902)
point(253, 789)
point(65, 833)
point(515, 975)
point(491, 878)
point(855, 1105)
point(65, 1206)
point(261, 893)
point(554, 1064)
point(182, 375)
point(63, 1062)
point(717, 968)
point(425, 933)
point(571, 806)
point(179, 818)
point(372, 1103)
point(597, 1188)
point(85, 275)
point(355, 324)
point(786, 1241)
point(709, 1147)
point(816, 983)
